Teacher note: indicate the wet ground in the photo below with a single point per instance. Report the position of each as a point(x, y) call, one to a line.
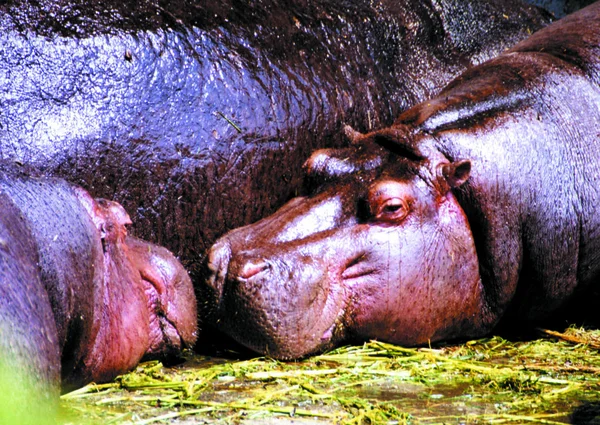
point(492, 381)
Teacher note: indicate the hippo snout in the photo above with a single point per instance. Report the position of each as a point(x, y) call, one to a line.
point(249, 269)
point(257, 300)
point(243, 267)
point(217, 264)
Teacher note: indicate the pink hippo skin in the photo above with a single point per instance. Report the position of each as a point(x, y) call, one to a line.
point(148, 306)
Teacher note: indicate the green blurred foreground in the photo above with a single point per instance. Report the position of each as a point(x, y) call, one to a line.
point(491, 381)
point(22, 402)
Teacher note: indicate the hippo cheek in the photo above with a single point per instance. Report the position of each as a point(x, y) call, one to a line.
point(286, 308)
point(425, 283)
point(381, 287)
point(122, 336)
point(382, 311)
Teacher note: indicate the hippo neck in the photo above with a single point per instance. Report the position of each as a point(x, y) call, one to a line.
point(530, 196)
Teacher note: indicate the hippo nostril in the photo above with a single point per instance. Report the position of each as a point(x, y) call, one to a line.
point(252, 268)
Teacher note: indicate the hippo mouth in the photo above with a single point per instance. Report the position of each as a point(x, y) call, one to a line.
point(356, 269)
point(164, 338)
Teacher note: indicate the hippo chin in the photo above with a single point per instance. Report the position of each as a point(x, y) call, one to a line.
point(477, 206)
point(80, 300)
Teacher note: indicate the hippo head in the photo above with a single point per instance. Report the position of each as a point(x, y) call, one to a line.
point(378, 248)
point(146, 304)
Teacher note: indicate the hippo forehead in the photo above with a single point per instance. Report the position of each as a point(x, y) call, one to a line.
point(351, 171)
point(341, 184)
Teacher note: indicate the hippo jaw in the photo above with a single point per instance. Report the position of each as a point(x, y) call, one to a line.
point(407, 273)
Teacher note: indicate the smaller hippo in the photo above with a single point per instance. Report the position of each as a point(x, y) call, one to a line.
point(80, 299)
point(475, 208)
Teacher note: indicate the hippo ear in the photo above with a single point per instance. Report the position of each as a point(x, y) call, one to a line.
point(92, 209)
point(456, 173)
point(353, 136)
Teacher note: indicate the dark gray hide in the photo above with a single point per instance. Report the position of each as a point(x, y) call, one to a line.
point(197, 116)
point(46, 286)
point(560, 8)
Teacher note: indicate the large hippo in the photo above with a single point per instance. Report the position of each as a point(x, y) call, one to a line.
point(80, 300)
point(476, 206)
point(197, 116)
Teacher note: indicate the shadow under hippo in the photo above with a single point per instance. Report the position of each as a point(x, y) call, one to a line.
point(475, 207)
point(197, 116)
point(80, 299)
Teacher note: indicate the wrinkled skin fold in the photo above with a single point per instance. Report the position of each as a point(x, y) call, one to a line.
point(475, 207)
point(80, 300)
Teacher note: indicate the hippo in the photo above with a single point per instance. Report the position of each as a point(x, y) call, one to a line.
point(198, 116)
point(476, 208)
point(80, 299)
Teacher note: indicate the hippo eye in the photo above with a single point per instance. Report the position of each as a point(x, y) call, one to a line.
point(390, 200)
point(392, 210)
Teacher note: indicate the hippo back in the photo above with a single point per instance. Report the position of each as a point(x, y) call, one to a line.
point(529, 121)
point(67, 251)
point(198, 117)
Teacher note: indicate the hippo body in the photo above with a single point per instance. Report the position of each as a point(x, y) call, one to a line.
point(476, 207)
point(197, 117)
point(80, 300)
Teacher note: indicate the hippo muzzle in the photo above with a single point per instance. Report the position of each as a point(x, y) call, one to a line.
point(285, 305)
